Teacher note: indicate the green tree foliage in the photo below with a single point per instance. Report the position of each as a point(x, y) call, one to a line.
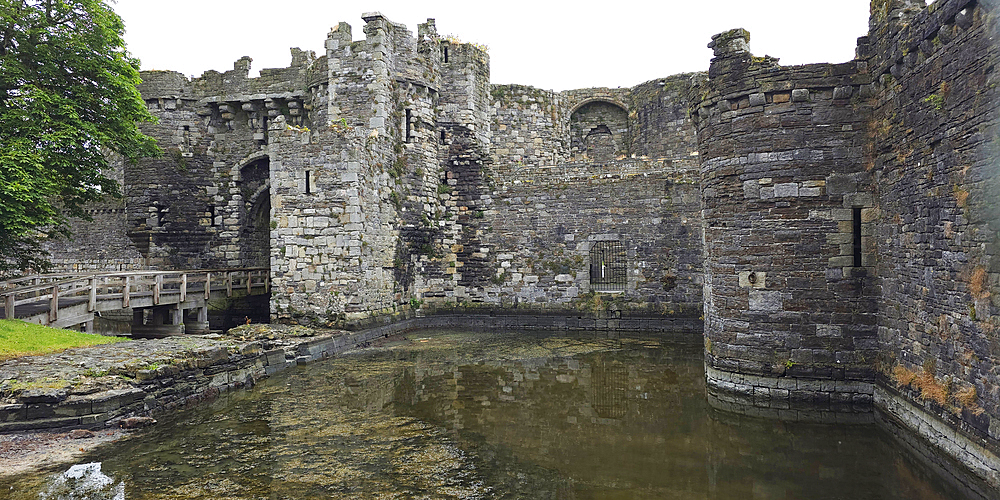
point(68, 103)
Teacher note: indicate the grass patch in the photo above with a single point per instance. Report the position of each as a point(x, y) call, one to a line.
point(18, 338)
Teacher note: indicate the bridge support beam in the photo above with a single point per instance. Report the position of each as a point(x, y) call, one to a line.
point(198, 322)
point(163, 321)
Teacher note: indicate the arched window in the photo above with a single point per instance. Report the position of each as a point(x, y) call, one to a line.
point(599, 131)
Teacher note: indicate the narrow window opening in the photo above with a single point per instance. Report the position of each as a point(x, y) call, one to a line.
point(857, 237)
point(211, 215)
point(308, 185)
point(446, 54)
point(187, 128)
point(442, 137)
point(409, 125)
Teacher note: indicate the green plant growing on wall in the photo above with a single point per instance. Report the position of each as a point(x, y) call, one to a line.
point(936, 101)
point(398, 167)
point(179, 159)
point(591, 302)
point(500, 279)
point(443, 188)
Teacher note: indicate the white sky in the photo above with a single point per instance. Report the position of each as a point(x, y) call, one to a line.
point(551, 45)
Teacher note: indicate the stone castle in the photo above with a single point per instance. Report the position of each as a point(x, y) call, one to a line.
point(836, 225)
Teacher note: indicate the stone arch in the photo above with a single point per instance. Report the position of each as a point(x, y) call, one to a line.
point(250, 160)
point(610, 100)
point(255, 212)
point(599, 130)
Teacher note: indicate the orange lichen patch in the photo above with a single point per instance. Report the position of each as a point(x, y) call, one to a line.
point(979, 283)
point(966, 396)
point(924, 382)
point(931, 389)
point(903, 376)
point(945, 90)
point(961, 196)
point(949, 229)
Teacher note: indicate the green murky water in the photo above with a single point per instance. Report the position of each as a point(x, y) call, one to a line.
point(450, 415)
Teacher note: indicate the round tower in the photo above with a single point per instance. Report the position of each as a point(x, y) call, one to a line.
point(789, 307)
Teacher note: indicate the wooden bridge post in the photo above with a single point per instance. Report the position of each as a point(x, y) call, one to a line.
point(157, 283)
point(200, 325)
point(92, 302)
point(54, 305)
point(184, 286)
point(208, 285)
point(249, 282)
point(125, 292)
point(9, 306)
point(229, 284)
point(176, 314)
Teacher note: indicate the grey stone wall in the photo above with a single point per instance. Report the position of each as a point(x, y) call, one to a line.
point(544, 224)
point(530, 127)
point(904, 137)
point(98, 244)
point(385, 170)
point(934, 154)
point(782, 172)
point(333, 236)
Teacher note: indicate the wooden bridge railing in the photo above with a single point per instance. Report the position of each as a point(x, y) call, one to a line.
point(164, 286)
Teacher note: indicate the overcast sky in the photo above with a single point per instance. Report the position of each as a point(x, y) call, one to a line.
point(552, 45)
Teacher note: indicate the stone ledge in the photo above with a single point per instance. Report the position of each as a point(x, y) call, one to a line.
point(894, 410)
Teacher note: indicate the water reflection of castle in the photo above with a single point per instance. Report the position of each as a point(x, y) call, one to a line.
point(633, 419)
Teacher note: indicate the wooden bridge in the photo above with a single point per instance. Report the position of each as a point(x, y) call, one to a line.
point(163, 302)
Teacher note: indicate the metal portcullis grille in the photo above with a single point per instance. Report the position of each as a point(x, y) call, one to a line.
point(608, 266)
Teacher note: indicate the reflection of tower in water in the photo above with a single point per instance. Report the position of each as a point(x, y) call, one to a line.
point(609, 383)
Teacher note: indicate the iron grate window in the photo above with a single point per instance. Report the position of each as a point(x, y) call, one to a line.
point(608, 266)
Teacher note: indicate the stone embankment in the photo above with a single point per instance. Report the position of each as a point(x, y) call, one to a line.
point(102, 386)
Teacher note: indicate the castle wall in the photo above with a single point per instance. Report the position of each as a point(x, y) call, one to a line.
point(787, 302)
point(530, 127)
point(662, 127)
point(333, 238)
point(836, 224)
point(934, 139)
point(98, 244)
point(543, 227)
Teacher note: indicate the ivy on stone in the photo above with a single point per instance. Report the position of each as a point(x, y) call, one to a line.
point(68, 104)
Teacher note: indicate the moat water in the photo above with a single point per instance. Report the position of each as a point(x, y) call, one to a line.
point(487, 415)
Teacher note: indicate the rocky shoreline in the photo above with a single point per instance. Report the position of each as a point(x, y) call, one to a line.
point(53, 408)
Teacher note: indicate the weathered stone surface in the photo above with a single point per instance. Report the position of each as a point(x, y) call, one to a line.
point(388, 174)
